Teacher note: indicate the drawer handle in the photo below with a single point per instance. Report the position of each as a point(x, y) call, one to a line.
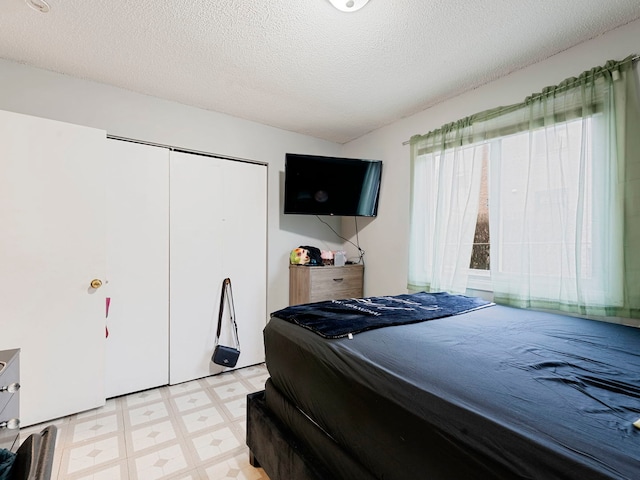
point(11, 388)
point(10, 424)
point(338, 279)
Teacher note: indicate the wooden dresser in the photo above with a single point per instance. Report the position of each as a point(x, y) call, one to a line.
point(315, 284)
point(9, 399)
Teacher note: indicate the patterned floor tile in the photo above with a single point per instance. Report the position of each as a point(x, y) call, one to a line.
point(193, 475)
point(191, 431)
point(201, 419)
point(148, 413)
point(109, 407)
point(214, 443)
point(152, 435)
point(143, 397)
point(236, 468)
point(112, 472)
point(86, 430)
point(237, 408)
point(192, 400)
point(161, 463)
point(219, 379)
point(92, 454)
point(251, 371)
point(185, 387)
point(230, 390)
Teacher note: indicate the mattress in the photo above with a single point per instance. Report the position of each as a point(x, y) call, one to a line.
point(494, 393)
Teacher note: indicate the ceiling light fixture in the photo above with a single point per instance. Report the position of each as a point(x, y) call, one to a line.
point(349, 5)
point(39, 5)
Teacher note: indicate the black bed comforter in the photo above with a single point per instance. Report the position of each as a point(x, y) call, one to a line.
point(494, 393)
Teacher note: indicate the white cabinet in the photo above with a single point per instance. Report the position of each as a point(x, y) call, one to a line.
point(137, 346)
point(218, 230)
point(52, 245)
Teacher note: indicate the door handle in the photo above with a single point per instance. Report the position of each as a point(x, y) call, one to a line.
point(11, 424)
point(11, 388)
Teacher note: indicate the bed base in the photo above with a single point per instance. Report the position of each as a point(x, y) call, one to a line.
point(274, 448)
point(299, 450)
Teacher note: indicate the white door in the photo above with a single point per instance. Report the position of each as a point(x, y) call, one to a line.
point(244, 243)
point(218, 230)
point(52, 245)
point(137, 346)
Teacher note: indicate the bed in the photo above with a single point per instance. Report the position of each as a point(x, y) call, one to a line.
point(495, 392)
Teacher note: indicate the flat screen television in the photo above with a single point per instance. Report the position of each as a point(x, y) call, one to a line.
point(316, 185)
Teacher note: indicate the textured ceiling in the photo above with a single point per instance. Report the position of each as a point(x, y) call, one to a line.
point(301, 65)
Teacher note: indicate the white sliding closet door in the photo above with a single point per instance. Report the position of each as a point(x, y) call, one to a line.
point(52, 245)
point(137, 348)
point(244, 246)
point(218, 230)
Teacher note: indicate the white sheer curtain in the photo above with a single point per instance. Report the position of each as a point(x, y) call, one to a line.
point(557, 218)
point(444, 208)
point(564, 178)
point(558, 198)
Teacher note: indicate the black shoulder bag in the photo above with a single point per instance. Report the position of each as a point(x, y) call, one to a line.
point(223, 355)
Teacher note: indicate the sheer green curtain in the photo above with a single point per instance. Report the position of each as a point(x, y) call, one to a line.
point(445, 195)
point(564, 178)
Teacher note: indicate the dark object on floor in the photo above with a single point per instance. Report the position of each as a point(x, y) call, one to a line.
point(34, 458)
point(6, 462)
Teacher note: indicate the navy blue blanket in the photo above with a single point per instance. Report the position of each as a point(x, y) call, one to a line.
point(339, 318)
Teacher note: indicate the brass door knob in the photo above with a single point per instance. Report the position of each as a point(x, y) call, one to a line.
point(96, 283)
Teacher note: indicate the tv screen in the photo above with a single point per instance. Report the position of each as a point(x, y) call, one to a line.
point(316, 185)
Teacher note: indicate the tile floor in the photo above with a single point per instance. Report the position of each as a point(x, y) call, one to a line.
point(191, 431)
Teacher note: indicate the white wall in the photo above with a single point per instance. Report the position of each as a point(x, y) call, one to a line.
point(46, 94)
point(385, 238)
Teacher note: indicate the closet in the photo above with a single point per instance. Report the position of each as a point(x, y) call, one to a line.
point(180, 223)
point(113, 255)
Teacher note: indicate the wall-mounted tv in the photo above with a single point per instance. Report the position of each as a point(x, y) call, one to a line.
point(316, 185)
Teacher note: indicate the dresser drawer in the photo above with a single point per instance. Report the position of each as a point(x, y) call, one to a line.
point(9, 397)
point(10, 412)
point(316, 284)
point(9, 375)
point(336, 283)
point(336, 295)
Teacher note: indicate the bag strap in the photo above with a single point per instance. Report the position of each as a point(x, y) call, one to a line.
point(227, 294)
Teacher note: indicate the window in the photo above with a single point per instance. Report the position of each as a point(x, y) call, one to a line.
point(481, 253)
point(550, 177)
point(552, 195)
point(534, 202)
